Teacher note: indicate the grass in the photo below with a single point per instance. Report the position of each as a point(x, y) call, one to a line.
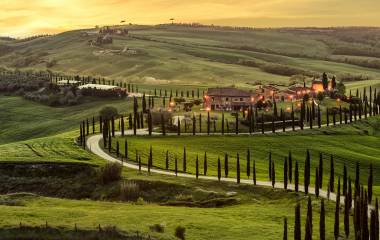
point(22, 119)
point(259, 216)
point(349, 144)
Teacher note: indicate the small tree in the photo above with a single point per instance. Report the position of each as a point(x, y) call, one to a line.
point(309, 221)
point(273, 174)
point(248, 163)
point(226, 165)
point(332, 177)
point(290, 160)
point(286, 173)
point(254, 172)
point(184, 159)
point(167, 160)
point(197, 167)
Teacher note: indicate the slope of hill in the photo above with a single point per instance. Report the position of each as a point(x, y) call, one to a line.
point(188, 55)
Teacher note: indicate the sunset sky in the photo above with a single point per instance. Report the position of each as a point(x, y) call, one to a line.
point(27, 17)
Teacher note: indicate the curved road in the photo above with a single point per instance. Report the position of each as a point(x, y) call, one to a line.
point(94, 146)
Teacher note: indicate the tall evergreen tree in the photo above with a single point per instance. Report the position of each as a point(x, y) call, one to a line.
point(297, 222)
point(344, 180)
point(322, 226)
point(357, 180)
point(309, 221)
point(270, 166)
point(316, 182)
point(226, 165)
point(320, 169)
point(285, 236)
point(296, 177)
point(126, 149)
point(286, 173)
point(346, 216)
point(237, 123)
point(223, 123)
point(337, 206)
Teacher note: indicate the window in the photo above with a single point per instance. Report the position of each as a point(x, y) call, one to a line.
point(212, 99)
point(241, 99)
point(226, 99)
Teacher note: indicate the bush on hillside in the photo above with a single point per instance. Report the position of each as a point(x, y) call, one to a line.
point(110, 172)
point(180, 232)
point(108, 112)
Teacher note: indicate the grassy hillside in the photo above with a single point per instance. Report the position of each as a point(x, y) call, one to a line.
point(22, 119)
point(182, 55)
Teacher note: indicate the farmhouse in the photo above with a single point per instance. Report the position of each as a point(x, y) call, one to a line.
point(227, 99)
point(99, 87)
point(317, 85)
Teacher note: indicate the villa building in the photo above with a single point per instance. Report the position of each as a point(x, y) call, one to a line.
point(227, 99)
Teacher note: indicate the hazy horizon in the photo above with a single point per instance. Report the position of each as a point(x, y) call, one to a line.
point(20, 18)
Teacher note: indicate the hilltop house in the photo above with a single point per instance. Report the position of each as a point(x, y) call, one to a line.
point(228, 99)
point(317, 85)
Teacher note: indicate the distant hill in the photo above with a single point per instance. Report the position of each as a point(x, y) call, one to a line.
point(188, 54)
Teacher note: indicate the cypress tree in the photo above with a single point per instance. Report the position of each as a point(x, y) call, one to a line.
point(167, 160)
point(297, 222)
point(377, 218)
point(219, 170)
point(109, 143)
point(184, 159)
point(283, 120)
point(349, 193)
point(373, 226)
point(248, 163)
point(150, 123)
point(320, 169)
point(150, 160)
point(322, 226)
point(197, 167)
point(337, 204)
point(226, 165)
point(273, 175)
point(135, 124)
point(296, 177)
point(87, 127)
point(290, 160)
point(370, 183)
point(309, 221)
point(80, 134)
point(237, 168)
point(316, 182)
point(327, 117)
point(346, 216)
point(205, 164)
point(285, 236)
point(270, 166)
point(100, 124)
point(117, 149)
point(286, 173)
point(332, 177)
point(122, 126)
point(262, 123)
point(254, 172)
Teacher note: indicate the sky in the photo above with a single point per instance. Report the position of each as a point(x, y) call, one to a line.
point(21, 18)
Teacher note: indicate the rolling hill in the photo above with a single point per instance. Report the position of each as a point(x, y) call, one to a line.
point(179, 54)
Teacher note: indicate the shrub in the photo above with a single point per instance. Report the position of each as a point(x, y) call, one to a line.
point(197, 102)
point(140, 201)
point(160, 228)
point(180, 232)
point(129, 191)
point(108, 112)
point(110, 172)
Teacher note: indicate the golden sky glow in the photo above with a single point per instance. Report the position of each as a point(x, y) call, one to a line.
point(28, 17)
